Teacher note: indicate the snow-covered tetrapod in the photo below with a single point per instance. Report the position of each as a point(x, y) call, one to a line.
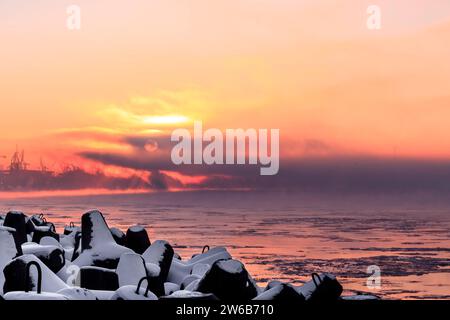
point(92, 261)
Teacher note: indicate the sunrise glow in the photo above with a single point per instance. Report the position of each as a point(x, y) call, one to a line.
point(312, 69)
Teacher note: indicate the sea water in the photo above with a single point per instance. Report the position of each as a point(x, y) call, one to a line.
point(288, 236)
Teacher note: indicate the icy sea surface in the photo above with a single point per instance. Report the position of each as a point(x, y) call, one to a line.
point(287, 236)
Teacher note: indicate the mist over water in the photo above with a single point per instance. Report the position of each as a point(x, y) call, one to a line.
point(287, 236)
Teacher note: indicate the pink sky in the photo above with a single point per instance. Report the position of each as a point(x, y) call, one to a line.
point(310, 68)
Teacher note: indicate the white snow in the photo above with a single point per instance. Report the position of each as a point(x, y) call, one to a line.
point(269, 294)
point(103, 245)
point(43, 228)
point(37, 249)
point(103, 294)
point(20, 295)
point(170, 288)
point(154, 253)
point(136, 228)
point(70, 229)
point(131, 269)
point(117, 232)
point(186, 294)
point(361, 297)
point(309, 287)
point(180, 269)
point(193, 285)
point(50, 281)
point(7, 229)
point(67, 272)
point(189, 279)
point(77, 294)
point(153, 270)
point(7, 251)
point(200, 269)
point(211, 256)
point(231, 266)
point(68, 241)
point(100, 231)
point(129, 293)
point(50, 241)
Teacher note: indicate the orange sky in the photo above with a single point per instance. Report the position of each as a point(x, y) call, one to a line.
point(310, 68)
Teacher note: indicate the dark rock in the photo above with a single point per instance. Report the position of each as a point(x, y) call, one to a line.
point(170, 288)
point(8, 251)
point(155, 284)
point(8, 245)
point(16, 220)
point(281, 292)
point(180, 269)
point(71, 228)
point(16, 278)
point(137, 239)
point(119, 236)
point(44, 231)
point(273, 284)
point(95, 278)
point(98, 247)
point(228, 280)
point(327, 288)
point(52, 256)
point(160, 253)
point(35, 221)
point(138, 292)
point(77, 246)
